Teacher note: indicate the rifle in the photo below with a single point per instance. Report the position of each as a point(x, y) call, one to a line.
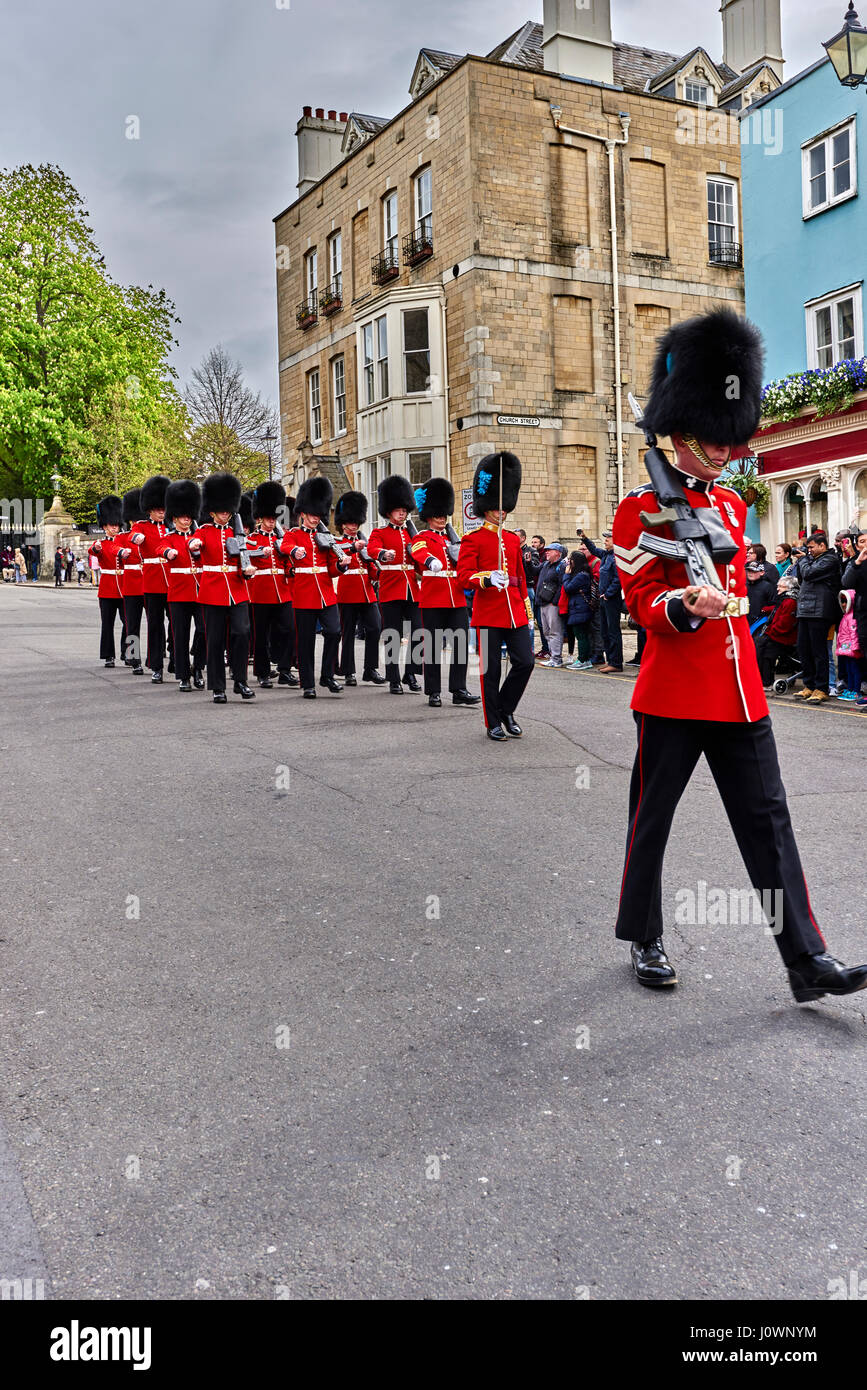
point(454, 541)
point(701, 541)
point(237, 545)
point(325, 541)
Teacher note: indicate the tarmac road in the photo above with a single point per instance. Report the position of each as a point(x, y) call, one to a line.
point(305, 1001)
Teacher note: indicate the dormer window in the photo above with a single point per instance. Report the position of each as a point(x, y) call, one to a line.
point(696, 91)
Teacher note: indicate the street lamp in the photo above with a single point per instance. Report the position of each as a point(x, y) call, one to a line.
point(848, 50)
point(269, 438)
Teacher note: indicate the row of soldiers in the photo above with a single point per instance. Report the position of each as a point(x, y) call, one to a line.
point(222, 569)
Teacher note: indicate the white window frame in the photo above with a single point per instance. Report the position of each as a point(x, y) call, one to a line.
point(314, 405)
point(410, 309)
point(311, 271)
point(380, 330)
point(335, 260)
point(368, 369)
point(423, 180)
point(732, 184)
point(390, 223)
point(813, 306)
point(338, 397)
point(697, 83)
point(827, 139)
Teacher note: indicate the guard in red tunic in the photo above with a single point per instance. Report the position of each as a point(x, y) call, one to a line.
point(270, 588)
point(223, 590)
point(491, 562)
point(398, 582)
point(356, 597)
point(149, 537)
point(183, 505)
point(109, 515)
point(314, 568)
point(442, 602)
point(131, 581)
point(699, 689)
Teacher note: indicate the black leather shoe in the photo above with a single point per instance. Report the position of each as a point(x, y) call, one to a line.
point(240, 688)
point(157, 678)
point(412, 684)
point(138, 670)
point(219, 697)
point(435, 701)
point(309, 694)
point(171, 668)
point(350, 680)
point(811, 976)
point(395, 688)
point(266, 682)
point(651, 964)
point(373, 677)
point(185, 687)
point(463, 697)
point(332, 685)
point(287, 678)
point(109, 666)
point(496, 734)
point(198, 680)
point(511, 725)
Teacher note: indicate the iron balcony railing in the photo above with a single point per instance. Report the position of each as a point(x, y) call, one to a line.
point(307, 312)
point(725, 253)
point(418, 245)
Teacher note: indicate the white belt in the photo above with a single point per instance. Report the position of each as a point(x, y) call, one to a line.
point(311, 569)
point(220, 569)
point(397, 567)
point(272, 570)
point(149, 561)
point(132, 567)
point(439, 574)
point(180, 571)
point(744, 606)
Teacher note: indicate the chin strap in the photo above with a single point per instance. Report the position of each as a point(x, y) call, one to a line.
point(695, 448)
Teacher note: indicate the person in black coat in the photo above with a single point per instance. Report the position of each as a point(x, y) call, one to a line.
point(59, 567)
point(855, 577)
point(819, 577)
point(760, 591)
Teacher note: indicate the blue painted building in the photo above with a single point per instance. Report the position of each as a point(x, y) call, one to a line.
point(804, 182)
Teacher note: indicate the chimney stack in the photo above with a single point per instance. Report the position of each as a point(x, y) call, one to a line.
point(320, 142)
point(751, 34)
point(576, 39)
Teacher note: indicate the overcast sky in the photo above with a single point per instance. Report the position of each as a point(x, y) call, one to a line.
point(217, 86)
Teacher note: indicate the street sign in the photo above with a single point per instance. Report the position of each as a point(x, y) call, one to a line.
point(471, 522)
point(530, 421)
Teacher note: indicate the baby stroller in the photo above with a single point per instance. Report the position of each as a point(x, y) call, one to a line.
point(783, 681)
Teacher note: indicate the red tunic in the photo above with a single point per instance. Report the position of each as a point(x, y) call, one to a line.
point(398, 578)
point(691, 668)
point(109, 566)
point(479, 557)
point(271, 581)
point(440, 588)
point(355, 585)
point(153, 564)
point(182, 572)
point(222, 582)
point(131, 581)
point(312, 577)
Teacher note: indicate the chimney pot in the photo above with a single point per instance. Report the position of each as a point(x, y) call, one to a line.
point(344, 116)
point(320, 111)
point(308, 110)
point(332, 115)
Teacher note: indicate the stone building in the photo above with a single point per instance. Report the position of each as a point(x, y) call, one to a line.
point(447, 279)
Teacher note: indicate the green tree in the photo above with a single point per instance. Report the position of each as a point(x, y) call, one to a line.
point(84, 380)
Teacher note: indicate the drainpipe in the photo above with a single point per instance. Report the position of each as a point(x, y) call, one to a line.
point(445, 361)
point(610, 146)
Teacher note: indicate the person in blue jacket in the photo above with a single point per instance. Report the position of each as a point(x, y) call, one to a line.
point(610, 601)
point(576, 583)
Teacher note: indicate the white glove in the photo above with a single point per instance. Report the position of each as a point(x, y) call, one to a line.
point(137, 537)
point(434, 565)
point(500, 580)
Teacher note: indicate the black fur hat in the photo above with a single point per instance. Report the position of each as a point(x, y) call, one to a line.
point(183, 498)
point(315, 496)
point(394, 491)
point(486, 483)
point(269, 499)
point(153, 492)
point(436, 497)
point(132, 507)
point(351, 507)
point(109, 511)
point(707, 379)
point(246, 510)
point(221, 492)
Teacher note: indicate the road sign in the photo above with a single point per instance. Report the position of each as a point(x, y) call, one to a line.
point(471, 522)
point(530, 421)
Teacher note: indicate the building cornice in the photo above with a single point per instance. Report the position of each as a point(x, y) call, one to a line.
point(789, 432)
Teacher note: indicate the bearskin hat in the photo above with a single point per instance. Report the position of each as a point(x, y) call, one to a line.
point(269, 499)
point(315, 496)
point(436, 497)
point(245, 510)
point(109, 511)
point(153, 492)
point(183, 498)
point(394, 491)
point(350, 507)
point(221, 492)
point(132, 507)
point(487, 487)
point(707, 379)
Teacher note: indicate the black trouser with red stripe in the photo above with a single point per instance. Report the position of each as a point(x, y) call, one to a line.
point(743, 762)
point(436, 623)
point(273, 638)
point(351, 614)
point(396, 613)
point(496, 701)
point(305, 635)
point(181, 616)
point(227, 631)
point(109, 609)
point(133, 607)
point(156, 606)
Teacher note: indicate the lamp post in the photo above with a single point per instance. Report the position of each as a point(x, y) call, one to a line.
point(268, 439)
point(848, 50)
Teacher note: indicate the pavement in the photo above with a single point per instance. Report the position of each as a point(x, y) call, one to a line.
point(322, 1000)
